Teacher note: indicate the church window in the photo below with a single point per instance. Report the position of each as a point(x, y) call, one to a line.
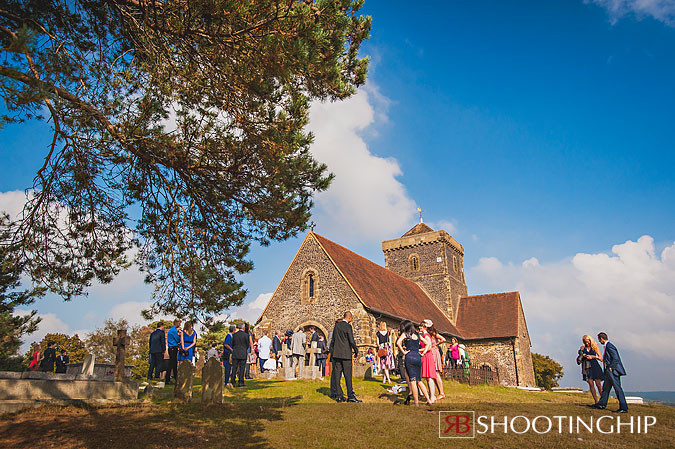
point(454, 263)
point(311, 285)
point(414, 263)
point(308, 286)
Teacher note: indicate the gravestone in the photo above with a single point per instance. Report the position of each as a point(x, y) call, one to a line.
point(213, 380)
point(289, 372)
point(311, 371)
point(199, 361)
point(184, 379)
point(121, 342)
point(88, 365)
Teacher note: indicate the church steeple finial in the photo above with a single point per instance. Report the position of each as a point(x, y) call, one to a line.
point(420, 211)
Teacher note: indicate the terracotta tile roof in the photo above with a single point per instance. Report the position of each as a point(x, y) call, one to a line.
point(419, 228)
point(384, 291)
point(489, 316)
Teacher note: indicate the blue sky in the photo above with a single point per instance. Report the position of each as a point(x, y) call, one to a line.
point(539, 134)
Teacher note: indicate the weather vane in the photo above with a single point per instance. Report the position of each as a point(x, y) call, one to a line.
point(420, 211)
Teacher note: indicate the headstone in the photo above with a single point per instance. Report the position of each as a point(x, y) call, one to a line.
point(213, 381)
point(88, 365)
point(183, 388)
point(121, 342)
point(199, 361)
point(289, 372)
point(312, 371)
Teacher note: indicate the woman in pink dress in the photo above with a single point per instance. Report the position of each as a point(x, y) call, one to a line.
point(428, 362)
point(437, 338)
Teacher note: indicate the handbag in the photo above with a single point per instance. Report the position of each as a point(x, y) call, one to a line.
point(183, 352)
point(382, 352)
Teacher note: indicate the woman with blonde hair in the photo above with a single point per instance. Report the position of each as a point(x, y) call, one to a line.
point(589, 358)
point(385, 355)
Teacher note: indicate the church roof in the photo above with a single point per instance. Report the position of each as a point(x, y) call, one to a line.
point(419, 228)
point(489, 316)
point(383, 291)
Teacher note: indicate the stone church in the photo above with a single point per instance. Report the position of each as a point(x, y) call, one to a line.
point(423, 278)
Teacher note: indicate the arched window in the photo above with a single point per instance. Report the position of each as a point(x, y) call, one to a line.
point(414, 263)
point(309, 286)
point(454, 263)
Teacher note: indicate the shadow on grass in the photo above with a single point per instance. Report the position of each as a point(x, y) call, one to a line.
point(148, 425)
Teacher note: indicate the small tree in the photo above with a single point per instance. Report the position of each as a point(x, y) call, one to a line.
point(546, 371)
point(100, 343)
point(12, 326)
point(216, 334)
point(74, 346)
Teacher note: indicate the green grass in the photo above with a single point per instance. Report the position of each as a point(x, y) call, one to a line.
point(299, 414)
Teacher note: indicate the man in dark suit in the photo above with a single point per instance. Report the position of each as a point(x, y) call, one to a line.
point(314, 336)
point(157, 349)
point(240, 346)
point(341, 347)
point(47, 364)
point(613, 371)
point(276, 346)
point(62, 362)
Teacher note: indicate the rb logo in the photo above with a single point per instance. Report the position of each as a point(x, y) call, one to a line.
point(456, 424)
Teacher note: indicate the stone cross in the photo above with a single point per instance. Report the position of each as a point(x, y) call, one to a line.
point(312, 371)
point(121, 342)
point(184, 379)
point(213, 381)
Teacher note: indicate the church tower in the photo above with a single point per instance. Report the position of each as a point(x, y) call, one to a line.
point(432, 259)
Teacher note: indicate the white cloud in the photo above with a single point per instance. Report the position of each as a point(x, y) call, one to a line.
point(49, 324)
point(365, 200)
point(662, 10)
point(131, 311)
point(449, 226)
point(12, 202)
point(629, 293)
point(261, 301)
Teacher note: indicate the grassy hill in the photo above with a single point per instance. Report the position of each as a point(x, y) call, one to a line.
point(299, 414)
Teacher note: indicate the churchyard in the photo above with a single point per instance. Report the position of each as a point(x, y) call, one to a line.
point(273, 413)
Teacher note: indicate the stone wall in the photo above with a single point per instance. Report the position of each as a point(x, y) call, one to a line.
point(332, 297)
point(438, 269)
point(496, 353)
point(523, 353)
point(454, 278)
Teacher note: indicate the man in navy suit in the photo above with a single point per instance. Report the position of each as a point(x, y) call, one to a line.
point(613, 372)
point(157, 349)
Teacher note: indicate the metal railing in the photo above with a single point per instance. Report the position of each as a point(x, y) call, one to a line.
point(472, 375)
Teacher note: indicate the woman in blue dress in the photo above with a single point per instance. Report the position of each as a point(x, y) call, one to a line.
point(413, 361)
point(589, 358)
point(188, 340)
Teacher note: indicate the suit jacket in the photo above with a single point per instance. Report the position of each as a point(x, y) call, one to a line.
point(298, 343)
point(276, 345)
point(612, 360)
point(61, 362)
point(342, 344)
point(315, 337)
point(321, 345)
point(157, 342)
point(240, 344)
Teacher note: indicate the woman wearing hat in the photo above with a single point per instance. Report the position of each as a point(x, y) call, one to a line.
point(428, 361)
